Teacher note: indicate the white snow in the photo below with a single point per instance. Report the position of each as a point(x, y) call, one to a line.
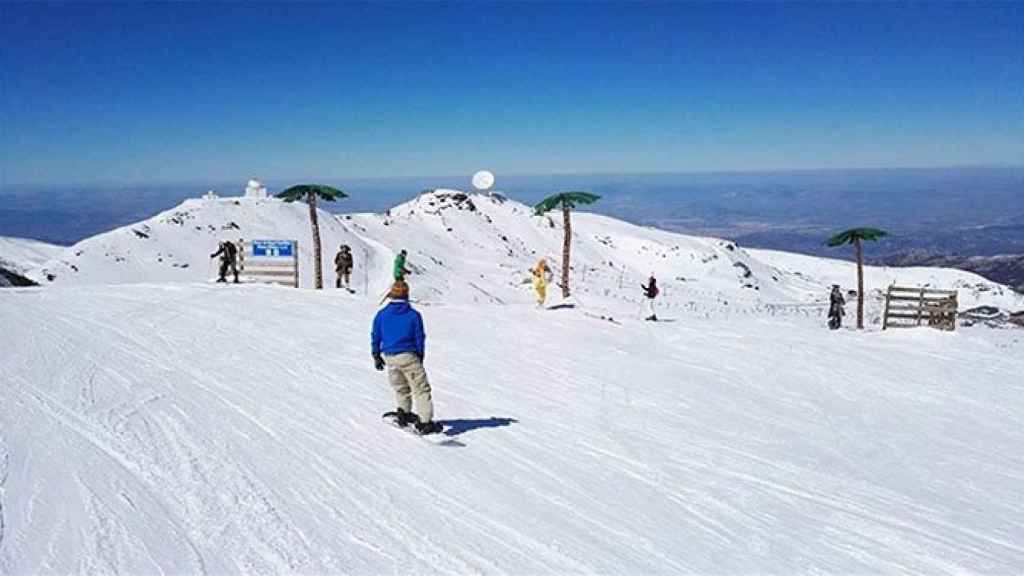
point(219, 429)
point(479, 247)
point(21, 254)
point(151, 422)
point(175, 245)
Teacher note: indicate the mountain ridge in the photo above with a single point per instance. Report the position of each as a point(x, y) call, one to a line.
point(471, 247)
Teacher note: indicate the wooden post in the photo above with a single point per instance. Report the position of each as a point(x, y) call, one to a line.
point(567, 227)
point(295, 259)
point(952, 314)
point(921, 305)
point(241, 254)
point(885, 314)
point(859, 250)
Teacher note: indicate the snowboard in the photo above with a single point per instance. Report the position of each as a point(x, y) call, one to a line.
point(438, 439)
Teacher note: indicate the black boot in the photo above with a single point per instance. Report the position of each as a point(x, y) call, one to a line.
point(401, 418)
point(406, 418)
point(423, 428)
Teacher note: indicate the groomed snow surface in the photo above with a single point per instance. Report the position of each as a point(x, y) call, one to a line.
point(205, 429)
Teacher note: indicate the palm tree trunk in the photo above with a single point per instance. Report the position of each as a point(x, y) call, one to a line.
point(567, 228)
point(317, 266)
point(859, 249)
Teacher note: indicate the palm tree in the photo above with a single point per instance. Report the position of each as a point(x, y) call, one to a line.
point(567, 201)
point(857, 236)
point(309, 193)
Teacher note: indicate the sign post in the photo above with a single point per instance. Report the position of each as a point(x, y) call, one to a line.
point(274, 261)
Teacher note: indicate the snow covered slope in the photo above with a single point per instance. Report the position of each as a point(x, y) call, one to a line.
point(21, 254)
point(175, 246)
point(475, 248)
point(203, 429)
point(478, 248)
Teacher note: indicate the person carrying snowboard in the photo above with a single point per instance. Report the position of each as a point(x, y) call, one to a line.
point(541, 277)
point(397, 341)
point(835, 308)
point(400, 270)
point(651, 292)
point(343, 267)
point(228, 253)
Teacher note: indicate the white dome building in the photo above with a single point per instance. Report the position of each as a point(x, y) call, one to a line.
point(255, 190)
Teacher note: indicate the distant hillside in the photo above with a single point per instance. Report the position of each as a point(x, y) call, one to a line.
point(1005, 269)
point(19, 255)
point(990, 240)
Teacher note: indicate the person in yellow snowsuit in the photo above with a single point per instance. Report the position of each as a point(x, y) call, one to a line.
point(541, 276)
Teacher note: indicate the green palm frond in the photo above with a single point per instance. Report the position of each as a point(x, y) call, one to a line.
point(302, 191)
point(848, 236)
point(570, 199)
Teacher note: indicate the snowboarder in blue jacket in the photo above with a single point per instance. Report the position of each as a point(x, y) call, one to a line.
point(399, 342)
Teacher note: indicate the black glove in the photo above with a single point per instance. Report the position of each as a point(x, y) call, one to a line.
point(378, 362)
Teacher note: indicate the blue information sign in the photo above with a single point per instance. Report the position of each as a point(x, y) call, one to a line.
point(279, 248)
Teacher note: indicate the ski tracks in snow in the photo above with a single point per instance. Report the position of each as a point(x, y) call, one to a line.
point(196, 429)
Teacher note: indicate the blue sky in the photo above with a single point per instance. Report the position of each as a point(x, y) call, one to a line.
point(190, 92)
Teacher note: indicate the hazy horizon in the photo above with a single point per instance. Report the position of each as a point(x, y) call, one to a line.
point(282, 181)
point(965, 210)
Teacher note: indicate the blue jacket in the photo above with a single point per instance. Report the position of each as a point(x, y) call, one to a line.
point(397, 328)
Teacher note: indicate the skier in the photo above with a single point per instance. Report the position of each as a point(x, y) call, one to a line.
point(400, 270)
point(343, 266)
point(651, 292)
point(541, 276)
point(835, 308)
point(228, 259)
point(398, 342)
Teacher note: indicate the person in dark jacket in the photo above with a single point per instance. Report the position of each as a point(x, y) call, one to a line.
point(343, 267)
point(228, 259)
point(399, 342)
point(650, 293)
point(835, 308)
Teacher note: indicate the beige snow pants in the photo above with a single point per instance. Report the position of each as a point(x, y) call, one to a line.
point(409, 379)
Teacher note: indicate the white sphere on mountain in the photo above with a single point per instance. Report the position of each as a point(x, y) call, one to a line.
point(483, 180)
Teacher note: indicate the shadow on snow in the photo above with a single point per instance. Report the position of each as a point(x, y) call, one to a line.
point(456, 427)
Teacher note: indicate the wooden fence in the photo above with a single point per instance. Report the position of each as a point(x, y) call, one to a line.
point(270, 268)
point(908, 307)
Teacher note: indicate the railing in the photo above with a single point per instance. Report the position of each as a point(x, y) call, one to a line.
point(909, 307)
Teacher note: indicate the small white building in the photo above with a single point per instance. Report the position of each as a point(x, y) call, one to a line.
point(255, 190)
point(210, 195)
